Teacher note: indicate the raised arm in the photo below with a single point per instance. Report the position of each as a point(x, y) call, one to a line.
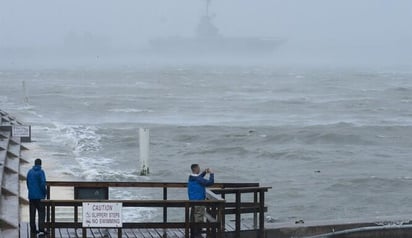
point(206, 182)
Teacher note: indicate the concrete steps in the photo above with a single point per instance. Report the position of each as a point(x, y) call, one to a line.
point(10, 177)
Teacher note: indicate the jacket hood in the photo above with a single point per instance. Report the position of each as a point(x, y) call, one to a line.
point(193, 176)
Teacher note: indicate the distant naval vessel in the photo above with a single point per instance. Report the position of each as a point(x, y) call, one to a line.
point(209, 42)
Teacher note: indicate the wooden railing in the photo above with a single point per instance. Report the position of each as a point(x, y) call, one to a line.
point(239, 207)
point(218, 205)
point(213, 225)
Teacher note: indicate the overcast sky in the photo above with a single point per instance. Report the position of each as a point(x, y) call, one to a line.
point(314, 24)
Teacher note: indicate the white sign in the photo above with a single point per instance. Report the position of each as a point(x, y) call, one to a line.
point(21, 131)
point(102, 214)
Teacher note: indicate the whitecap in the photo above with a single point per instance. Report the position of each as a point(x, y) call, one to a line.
point(130, 110)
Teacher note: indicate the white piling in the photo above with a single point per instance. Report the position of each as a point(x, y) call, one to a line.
point(25, 96)
point(144, 146)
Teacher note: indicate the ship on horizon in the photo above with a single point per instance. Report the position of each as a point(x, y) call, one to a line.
point(209, 42)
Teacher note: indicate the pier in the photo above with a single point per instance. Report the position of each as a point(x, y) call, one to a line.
point(218, 205)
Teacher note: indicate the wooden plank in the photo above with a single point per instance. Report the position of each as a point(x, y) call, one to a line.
point(229, 227)
point(244, 210)
point(59, 232)
point(242, 190)
point(143, 184)
point(153, 233)
point(128, 233)
point(78, 232)
point(72, 233)
point(161, 232)
point(138, 203)
point(93, 231)
point(65, 233)
point(179, 233)
point(170, 234)
point(139, 233)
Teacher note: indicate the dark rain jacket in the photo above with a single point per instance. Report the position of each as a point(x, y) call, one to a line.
point(36, 183)
point(197, 184)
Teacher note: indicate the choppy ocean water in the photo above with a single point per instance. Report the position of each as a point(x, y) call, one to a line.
point(333, 143)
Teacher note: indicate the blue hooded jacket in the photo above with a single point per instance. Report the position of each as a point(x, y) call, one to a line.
point(197, 184)
point(36, 183)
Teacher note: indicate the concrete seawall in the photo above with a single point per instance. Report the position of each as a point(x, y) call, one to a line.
point(12, 153)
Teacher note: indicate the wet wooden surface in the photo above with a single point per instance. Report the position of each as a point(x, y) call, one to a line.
point(126, 233)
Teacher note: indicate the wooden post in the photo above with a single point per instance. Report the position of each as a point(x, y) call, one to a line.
point(238, 217)
point(53, 220)
point(48, 192)
point(76, 214)
point(221, 218)
point(216, 223)
point(255, 215)
point(119, 233)
point(262, 214)
point(187, 220)
point(164, 210)
point(48, 207)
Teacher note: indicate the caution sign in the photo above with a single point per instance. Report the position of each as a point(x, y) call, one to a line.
point(20, 131)
point(102, 214)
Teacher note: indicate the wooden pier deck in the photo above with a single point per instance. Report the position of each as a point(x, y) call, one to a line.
point(104, 232)
point(126, 233)
point(224, 199)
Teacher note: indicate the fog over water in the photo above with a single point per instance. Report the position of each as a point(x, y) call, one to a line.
point(110, 33)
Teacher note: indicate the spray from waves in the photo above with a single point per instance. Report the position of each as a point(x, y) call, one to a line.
point(133, 214)
point(85, 144)
point(82, 139)
point(101, 169)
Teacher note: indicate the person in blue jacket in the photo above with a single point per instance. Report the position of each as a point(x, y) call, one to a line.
point(36, 184)
point(196, 189)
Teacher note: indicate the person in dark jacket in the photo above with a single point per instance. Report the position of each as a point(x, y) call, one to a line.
point(36, 184)
point(196, 189)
